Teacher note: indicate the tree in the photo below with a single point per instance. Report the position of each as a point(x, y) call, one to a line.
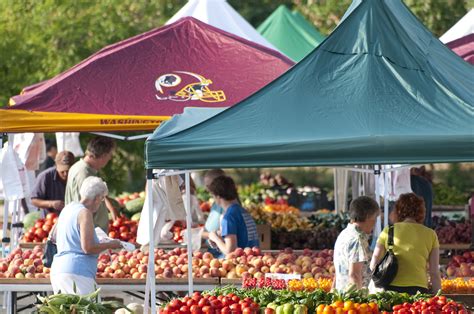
point(437, 15)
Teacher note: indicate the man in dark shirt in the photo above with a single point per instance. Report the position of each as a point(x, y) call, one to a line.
point(51, 152)
point(50, 186)
point(422, 187)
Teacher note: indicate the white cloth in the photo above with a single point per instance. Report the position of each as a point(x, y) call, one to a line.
point(31, 149)
point(398, 183)
point(64, 283)
point(13, 175)
point(69, 141)
point(167, 205)
point(196, 212)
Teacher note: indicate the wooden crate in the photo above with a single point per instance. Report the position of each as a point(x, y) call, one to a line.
point(265, 236)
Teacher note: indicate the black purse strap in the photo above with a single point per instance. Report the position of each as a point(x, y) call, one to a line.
point(390, 244)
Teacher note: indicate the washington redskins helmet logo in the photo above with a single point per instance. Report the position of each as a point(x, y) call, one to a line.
point(184, 86)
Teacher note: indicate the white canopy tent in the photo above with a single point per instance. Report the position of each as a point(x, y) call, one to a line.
point(220, 14)
point(463, 27)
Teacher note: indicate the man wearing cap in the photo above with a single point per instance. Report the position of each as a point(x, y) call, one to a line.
point(50, 186)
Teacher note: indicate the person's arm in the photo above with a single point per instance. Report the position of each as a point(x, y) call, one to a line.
point(86, 227)
point(379, 252)
point(111, 208)
point(46, 204)
point(434, 270)
point(226, 245)
point(355, 274)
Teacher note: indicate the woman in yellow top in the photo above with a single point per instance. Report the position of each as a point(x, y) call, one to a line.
point(415, 247)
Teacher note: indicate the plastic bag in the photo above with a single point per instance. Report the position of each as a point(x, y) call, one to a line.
point(196, 238)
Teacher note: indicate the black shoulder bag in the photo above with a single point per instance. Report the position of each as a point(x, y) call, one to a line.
point(387, 268)
point(50, 249)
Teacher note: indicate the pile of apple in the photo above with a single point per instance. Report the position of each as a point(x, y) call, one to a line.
point(40, 231)
point(242, 263)
point(123, 198)
point(123, 229)
point(461, 265)
point(21, 264)
point(250, 263)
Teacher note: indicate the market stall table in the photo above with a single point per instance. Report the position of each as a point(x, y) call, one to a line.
point(14, 286)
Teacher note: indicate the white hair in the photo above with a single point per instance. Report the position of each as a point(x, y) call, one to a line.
point(92, 187)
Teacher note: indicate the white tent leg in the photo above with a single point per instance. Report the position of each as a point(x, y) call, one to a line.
point(150, 288)
point(5, 227)
point(189, 233)
point(378, 227)
point(385, 199)
point(336, 188)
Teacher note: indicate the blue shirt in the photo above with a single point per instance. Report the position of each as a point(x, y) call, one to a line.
point(70, 258)
point(233, 223)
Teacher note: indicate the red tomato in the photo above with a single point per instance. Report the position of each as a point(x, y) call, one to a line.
point(47, 228)
point(39, 224)
point(225, 301)
point(176, 303)
point(195, 308)
point(216, 304)
point(235, 307)
point(125, 236)
point(184, 309)
point(225, 310)
point(116, 223)
point(123, 229)
point(207, 309)
point(190, 303)
point(203, 302)
point(51, 216)
point(113, 234)
point(235, 299)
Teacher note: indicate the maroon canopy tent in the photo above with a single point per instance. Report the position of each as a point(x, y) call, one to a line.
point(464, 47)
point(139, 82)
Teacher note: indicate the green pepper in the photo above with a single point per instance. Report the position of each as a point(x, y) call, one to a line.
point(300, 309)
point(272, 306)
point(279, 310)
point(288, 308)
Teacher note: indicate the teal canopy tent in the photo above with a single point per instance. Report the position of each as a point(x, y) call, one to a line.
point(381, 89)
point(290, 33)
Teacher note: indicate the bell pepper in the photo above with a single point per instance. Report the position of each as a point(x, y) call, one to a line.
point(272, 306)
point(287, 308)
point(300, 309)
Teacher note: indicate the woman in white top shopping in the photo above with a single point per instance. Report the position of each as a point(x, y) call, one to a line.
point(78, 246)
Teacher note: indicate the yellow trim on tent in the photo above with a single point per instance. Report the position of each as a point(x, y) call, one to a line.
point(35, 121)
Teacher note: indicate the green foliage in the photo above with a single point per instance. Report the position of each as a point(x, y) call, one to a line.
point(437, 15)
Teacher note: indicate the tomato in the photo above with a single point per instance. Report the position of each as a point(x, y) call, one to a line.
point(125, 236)
point(195, 308)
point(397, 307)
point(117, 223)
point(203, 302)
point(51, 216)
point(47, 228)
point(216, 304)
point(184, 309)
point(176, 303)
point(247, 310)
point(113, 234)
point(235, 307)
point(190, 303)
point(225, 310)
point(39, 224)
point(207, 309)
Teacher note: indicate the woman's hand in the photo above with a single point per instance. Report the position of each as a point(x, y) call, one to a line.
point(115, 244)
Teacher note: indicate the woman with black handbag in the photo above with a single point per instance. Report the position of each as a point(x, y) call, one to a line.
point(414, 246)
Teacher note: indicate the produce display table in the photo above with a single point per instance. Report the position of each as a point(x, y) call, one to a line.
point(467, 299)
point(124, 285)
point(455, 246)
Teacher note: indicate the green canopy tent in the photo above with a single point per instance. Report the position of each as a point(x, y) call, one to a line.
point(290, 33)
point(381, 89)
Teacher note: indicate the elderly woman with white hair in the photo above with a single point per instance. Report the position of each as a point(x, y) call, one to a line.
point(78, 246)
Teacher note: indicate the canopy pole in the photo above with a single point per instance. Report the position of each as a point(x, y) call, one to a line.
point(150, 288)
point(5, 238)
point(378, 223)
point(385, 196)
point(335, 190)
point(189, 233)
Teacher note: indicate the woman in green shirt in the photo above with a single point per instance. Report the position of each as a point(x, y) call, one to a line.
point(415, 247)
